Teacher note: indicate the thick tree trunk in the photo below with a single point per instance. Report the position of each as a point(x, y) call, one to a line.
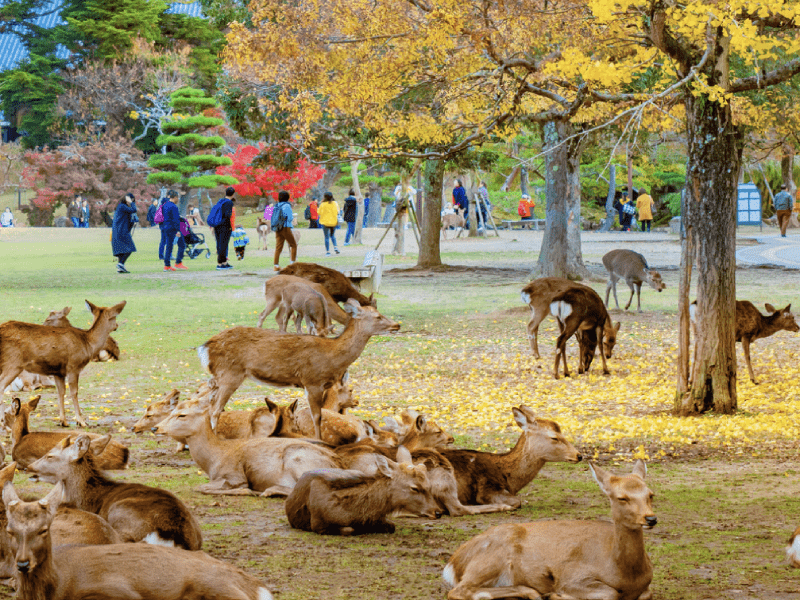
point(429, 250)
point(684, 298)
point(715, 146)
point(562, 211)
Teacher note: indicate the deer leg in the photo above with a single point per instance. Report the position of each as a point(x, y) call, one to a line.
point(630, 285)
point(639, 297)
point(72, 380)
point(223, 487)
point(513, 591)
point(533, 331)
point(315, 399)
point(271, 304)
point(61, 390)
point(7, 378)
point(600, 331)
point(226, 386)
point(613, 280)
point(276, 490)
point(746, 348)
point(608, 290)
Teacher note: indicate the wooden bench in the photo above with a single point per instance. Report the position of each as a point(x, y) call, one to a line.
point(368, 277)
point(537, 223)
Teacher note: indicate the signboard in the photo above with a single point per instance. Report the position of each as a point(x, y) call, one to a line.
point(748, 205)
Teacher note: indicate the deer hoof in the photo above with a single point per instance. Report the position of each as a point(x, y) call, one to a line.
point(81, 423)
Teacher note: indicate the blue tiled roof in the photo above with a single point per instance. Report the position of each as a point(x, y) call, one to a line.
point(190, 8)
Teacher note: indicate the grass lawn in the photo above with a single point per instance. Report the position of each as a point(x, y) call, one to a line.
point(727, 488)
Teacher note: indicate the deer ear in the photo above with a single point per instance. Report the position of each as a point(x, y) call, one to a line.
point(53, 499)
point(391, 425)
point(788, 309)
point(16, 405)
point(10, 496)
point(421, 422)
point(352, 307)
point(602, 477)
point(7, 473)
point(175, 395)
point(90, 307)
point(66, 310)
point(617, 326)
point(345, 378)
point(80, 447)
point(383, 466)
point(403, 456)
point(34, 402)
point(520, 418)
point(293, 407)
point(769, 307)
point(99, 444)
point(640, 468)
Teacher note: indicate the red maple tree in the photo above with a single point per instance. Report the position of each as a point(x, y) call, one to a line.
point(256, 181)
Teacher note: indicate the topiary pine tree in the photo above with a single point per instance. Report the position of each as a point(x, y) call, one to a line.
point(190, 161)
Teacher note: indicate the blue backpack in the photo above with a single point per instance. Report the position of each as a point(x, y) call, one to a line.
point(215, 216)
point(278, 220)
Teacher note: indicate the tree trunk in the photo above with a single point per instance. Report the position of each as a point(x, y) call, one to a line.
point(429, 250)
point(562, 211)
point(715, 146)
point(684, 301)
point(326, 182)
point(787, 167)
point(611, 212)
point(359, 201)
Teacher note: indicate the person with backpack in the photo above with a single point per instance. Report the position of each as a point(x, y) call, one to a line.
point(329, 219)
point(158, 219)
point(312, 215)
point(170, 228)
point(349, 216)
point(281, 223)
point(219, 219)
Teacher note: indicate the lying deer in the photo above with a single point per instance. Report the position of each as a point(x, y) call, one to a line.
point(539, 295)
point(131, 571)
point(751, 325)
point(337, 428)
point(793, 549)
point(281, 360)
point(58, 318)
point(454, 220)
point(336, 283)
point(263, 228)
point(273, 293)
point(265, 466)
point(28, 447)
point(633, 268)
point(344, 502)
point(486, 478)
point(62, 352)
point(564, 559)
point(306, 303)
point(580, 310)
point(137, 512)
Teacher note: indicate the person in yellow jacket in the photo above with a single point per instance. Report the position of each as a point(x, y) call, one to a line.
point(644, 204)
point(329, 219)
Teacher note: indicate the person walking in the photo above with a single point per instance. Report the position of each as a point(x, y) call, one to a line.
point(460, 199)
point(644, 204)
point(223, 230)
point(281, 223)
point(783, 204)
point(171, 227)
point(329, 219)
point(366, 209)
point(350, 211)
point(486, 205)
point(85, 214)
point(7, 218)
point(151, 213)
point(74, 211)
point(122, 245)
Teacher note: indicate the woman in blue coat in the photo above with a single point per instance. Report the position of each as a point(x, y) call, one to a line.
point(121, 240)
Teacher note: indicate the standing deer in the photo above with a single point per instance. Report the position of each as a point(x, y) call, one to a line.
point(263, 228)
point(455, 220)
point(58, 318)
point(486, 478)
point(112, 572)
point(306, 303)
point(273, 294)
point(564, 559)
point(632, 267)
point(62, 352)
point(138, 512)
point(581, 310)
point(539, 294)
point(793, 549)
point(336, 283)
point(282, 360)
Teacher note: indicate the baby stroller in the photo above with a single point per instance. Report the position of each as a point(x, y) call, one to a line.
point(195, 242)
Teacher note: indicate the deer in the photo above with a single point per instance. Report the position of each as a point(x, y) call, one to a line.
point(564, 559)
point(336, 283)
point(256, 466)
point(27, 446)
point(633, 268)
point(486, 478)
point(580, 310)
point(793, 549)
point(455, 220)
point(347, 502)
point(273, 293)
point(306, 303)
point(337, 428)
point(29, 382)
point(137, 512)
point(751, 325)
point(111, 572)
point(110, 350)
point(539, 295)
point(263, 228)
point(422, 433)
point(61, 352)
point(280, 360)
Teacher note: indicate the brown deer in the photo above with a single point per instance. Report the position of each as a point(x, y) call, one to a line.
point(580, 310)
point(564, 559)
point(793, 549)
point(422, 433)
point(62, 352)
point(486, 478)
point(263, 228)
point(257, 466)
point(137, 512)
point(454, 220)
point(632, 267)
point(58, 318)
point(282, 360)
point(131, 571)
point(273, 293)
point(539, 294)
point(338, 428)
point(28, 447)
point(306, 303)
point(345, 502)
point(29, 382)
point(337, 284)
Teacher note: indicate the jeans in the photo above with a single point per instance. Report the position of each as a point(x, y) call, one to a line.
point(75, 222)
point(646, 222)
point(330, 235)
point(168, 235)
point(223, 237)
point(351, 231)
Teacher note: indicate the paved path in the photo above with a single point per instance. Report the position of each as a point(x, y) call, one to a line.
point(772, 250)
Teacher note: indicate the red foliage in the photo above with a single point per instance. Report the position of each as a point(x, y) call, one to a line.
point(102, 171)
point(255, 181)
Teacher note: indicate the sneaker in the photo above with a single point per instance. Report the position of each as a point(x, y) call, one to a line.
point(347, 243)
point(181, 266)
point(220, 267)
point(121, 268)
point(227, 266)
point(336, 250)
point(166, 268)
point(327, 254)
